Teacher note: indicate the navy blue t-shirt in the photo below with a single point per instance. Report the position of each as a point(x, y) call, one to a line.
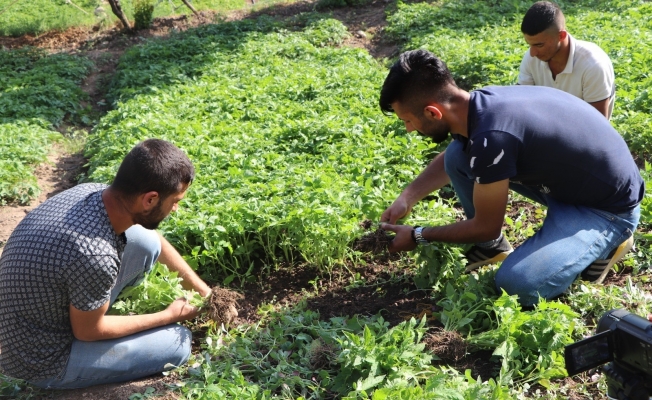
point(552, 142)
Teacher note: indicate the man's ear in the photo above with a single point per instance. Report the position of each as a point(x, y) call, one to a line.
point(149, 200)
point(432, 112)
point(562, 35)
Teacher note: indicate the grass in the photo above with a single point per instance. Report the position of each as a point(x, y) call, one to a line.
point(39, 16)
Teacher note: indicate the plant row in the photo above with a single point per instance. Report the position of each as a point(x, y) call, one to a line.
point(37, 91)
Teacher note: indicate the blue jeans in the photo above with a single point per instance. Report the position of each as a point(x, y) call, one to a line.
point(131, 357)
point(570, 239)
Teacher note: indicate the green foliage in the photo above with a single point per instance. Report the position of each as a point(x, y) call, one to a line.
point(378, 357)
point(294, 355)
point(25, 145)
point(143, 10)
point(11, 388)
point(157, 291)
point(38, 16)
point(646, 204)
point(529, 343)
point(444, 384)
point(582, 298)
point(291, 156)
point(34, 85)
point(467, 304)
point(288, 355)
point(36, 92)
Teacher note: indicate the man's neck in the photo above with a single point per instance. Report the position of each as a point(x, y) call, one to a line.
point(458, 113)
point(117, 211)
point(558, 62)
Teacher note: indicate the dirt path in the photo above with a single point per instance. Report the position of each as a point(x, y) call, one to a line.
point(58, 173)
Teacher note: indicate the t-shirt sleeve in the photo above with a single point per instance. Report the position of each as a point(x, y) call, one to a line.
point(598, 81)
point(493, 156)
point(90, 281)
point(524, 74)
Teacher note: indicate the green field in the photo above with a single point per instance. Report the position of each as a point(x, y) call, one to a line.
point(38, 16)
point(293, 153)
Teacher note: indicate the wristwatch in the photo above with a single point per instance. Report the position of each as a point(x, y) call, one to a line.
point(417, 235)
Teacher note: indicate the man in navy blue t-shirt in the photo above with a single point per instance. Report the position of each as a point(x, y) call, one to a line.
point(540, 142)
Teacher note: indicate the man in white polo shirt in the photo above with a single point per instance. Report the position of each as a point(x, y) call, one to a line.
point(558, 60)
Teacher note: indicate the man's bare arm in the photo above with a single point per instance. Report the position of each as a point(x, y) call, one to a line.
point(173, 260)
point(490, 201)
point(603, 107)
point(96, 325)
point(433, 177)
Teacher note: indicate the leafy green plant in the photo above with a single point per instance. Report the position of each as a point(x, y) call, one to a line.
point(592, 301)
point(25, 146)
point(467, 306)
point(157, 291)
point(381, 357)
point(287, 183)
point(529, 343)
point(143, 10)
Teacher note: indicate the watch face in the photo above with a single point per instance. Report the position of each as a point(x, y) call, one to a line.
point(419, 236)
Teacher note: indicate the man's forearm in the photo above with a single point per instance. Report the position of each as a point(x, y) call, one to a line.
point(432, 178)
point(96, 325)
point(175, 262)
point(467, 231)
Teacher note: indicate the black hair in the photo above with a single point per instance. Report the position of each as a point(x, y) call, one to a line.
point(153, 165)
point(418, 76)
point(542, 16)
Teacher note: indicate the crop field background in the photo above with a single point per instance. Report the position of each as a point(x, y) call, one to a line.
point(281, 120)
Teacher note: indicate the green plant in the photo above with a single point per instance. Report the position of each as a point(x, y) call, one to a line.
point(529, 343)
point(143, 11)
point(157, 291)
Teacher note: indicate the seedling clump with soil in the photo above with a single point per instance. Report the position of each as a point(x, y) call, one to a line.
point(375, 242)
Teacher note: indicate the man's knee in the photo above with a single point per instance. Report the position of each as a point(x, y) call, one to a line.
point(143, 241)
point(515, 283)
point(181, 353)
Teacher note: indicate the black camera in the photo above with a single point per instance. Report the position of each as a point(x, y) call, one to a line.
point(624, 341)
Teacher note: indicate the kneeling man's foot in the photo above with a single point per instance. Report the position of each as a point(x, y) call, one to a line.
point(598, 270)
point(478, 256)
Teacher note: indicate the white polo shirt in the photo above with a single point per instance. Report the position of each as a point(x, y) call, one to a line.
point(588, 75)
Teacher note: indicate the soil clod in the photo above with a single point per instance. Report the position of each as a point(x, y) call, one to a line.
point(223, 305)
point(375, 242)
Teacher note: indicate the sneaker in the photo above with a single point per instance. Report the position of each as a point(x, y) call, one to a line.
point(479, 256)
point(598, 270)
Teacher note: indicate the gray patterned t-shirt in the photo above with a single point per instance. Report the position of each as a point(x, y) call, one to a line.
point(63, 252)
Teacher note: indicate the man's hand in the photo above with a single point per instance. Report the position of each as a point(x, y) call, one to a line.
point(181, 310)
point(399, 209)
point(649, 317)
point(403, 240)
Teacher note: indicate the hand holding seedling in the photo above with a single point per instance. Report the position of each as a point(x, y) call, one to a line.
point(399, 209)
point(403, 239)
point(182, 310)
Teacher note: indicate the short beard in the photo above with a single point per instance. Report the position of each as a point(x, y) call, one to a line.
point(150, 220)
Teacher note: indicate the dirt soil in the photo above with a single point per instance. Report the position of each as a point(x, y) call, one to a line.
point(379, 286)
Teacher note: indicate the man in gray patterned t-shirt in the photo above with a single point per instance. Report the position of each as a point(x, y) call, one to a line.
point(68, 260)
